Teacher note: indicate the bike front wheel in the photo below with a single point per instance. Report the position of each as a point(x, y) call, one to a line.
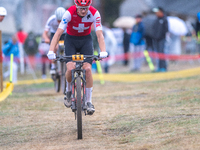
point(63, 78)
point(79, 108)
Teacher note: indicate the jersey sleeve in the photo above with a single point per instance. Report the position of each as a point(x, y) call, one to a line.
point(48, 23)
point(97, 21)
point(65, 19)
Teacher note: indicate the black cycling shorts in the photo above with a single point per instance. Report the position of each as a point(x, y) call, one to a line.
point(61, 38)
point(79, 44)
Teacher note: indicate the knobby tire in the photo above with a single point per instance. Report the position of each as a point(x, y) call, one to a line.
point(79, 108)
point(63, 78)
point(57, 83)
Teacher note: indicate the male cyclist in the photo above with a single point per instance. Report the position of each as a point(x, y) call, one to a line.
point(78, 20)
point(51, 26)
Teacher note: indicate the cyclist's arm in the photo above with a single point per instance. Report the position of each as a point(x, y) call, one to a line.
point(47, 29)
point(101, 41)
point(99, 32)
point(45, 36)
point(55, 40)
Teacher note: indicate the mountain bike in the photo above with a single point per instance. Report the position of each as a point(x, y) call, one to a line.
point(78, 87)
point(59, 78)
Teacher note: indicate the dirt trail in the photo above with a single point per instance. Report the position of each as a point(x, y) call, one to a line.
point(138, 116)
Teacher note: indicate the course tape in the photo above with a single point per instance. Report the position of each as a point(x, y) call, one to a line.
point(119, 57)
point(154, 55)
point(139, 77)
point(7, 91)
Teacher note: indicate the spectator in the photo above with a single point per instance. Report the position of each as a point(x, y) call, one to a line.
point(31, 47)
point(111, 46)
point(197, 29)
point(126, 42)
point(3, 13)
point(137, 43)
point(160, 30)
point(11, 47)
point(21, 35)
point(43, 49)
point(148, 22)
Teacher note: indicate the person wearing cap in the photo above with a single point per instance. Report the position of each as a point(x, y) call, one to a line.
point(3, 13)
point(137, 43)
point(11, 47)
point(160, 28)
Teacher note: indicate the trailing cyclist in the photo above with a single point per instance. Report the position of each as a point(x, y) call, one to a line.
point(51, 26)
point(78, 20)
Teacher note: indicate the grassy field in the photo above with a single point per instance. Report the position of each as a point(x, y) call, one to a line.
point(162, 115)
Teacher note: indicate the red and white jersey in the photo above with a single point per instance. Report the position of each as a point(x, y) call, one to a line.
point(77, 26)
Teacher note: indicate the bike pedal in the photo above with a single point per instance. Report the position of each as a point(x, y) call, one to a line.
point(73, 110)
point(84, 108)
point(90, 112)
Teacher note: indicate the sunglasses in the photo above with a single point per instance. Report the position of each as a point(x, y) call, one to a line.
point(82, 8)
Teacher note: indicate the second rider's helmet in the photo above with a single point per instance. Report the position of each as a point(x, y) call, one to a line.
point(83, 3)
point(3, 11)
point(59, 13)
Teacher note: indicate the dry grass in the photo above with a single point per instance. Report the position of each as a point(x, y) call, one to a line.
point(161, 115)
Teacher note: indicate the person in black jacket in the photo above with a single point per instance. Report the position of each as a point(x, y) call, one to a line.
point(160, 28)
point(197, 29)
point(126, 40)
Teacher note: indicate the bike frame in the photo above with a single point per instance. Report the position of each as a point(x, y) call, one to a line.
point(78, 87)
point(78, 72)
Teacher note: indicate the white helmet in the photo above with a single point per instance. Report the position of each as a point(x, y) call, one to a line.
point(3, 11)
point(59, 13)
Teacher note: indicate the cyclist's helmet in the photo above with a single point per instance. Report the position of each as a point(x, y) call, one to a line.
point(59, 13)
point(83, 3)
point(3, 11)
point(198, 16)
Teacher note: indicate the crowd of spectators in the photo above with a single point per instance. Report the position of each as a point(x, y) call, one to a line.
point(150, 32)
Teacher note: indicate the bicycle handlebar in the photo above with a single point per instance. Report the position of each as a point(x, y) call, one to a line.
point(77, 57)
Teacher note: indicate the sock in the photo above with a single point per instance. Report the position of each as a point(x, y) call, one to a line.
point(89, 94)
point(53, 66)
point(68, 86)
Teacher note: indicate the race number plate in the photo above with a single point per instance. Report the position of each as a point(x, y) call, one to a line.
point(77, 57)
point(61, 42)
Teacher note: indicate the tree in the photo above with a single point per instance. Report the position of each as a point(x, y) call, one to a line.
point(110, 10)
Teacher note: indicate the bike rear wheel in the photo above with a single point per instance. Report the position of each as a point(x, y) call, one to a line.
point(79, 108)
point(57, 83)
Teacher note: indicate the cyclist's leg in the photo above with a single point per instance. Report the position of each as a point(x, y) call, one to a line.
point(70, 66)
point(89, 88)
point(53, 65)
point(87, 49)
point(89, 79)
point(70, 49)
